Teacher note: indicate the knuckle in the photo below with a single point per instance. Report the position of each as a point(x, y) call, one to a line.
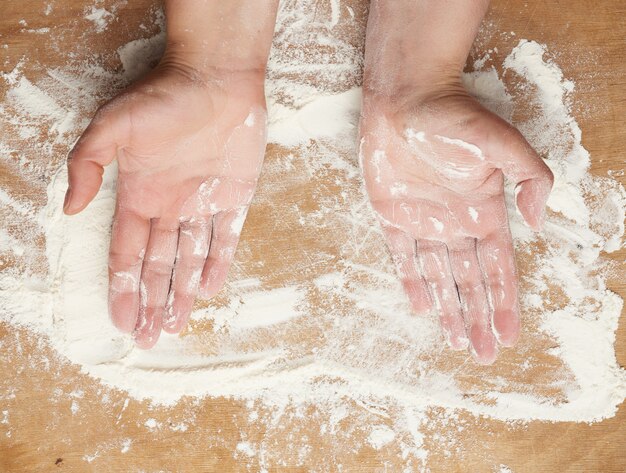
point(119, 259)
point(160, 268)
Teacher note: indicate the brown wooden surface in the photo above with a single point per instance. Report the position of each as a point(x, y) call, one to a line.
point(588, 41)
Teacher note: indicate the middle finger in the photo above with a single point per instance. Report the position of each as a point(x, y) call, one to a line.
point(193, 247)
point(156, 277)
point(476, 311)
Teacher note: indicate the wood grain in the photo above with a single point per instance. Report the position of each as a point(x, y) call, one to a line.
point(42, 434)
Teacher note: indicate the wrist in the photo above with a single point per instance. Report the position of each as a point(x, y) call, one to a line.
point(418, 86)
point(193, 66)
point(229, 37)
point(419, 46)
point(193, 63)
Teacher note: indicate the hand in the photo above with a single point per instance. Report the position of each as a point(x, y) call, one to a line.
point(433, 168)
point(189, 151)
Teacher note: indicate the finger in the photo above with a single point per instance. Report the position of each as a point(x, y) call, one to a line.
point(193, 247)
point(226, 231)
point(129, 239)
point(403, 251)
point(95, 149)
point(435, 265)
point(155, 282)
point(521, 164)
point(469, 280)
point(497, 260)
point(531, 199)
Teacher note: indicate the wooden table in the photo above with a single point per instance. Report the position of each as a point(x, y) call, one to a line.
point(43, 435)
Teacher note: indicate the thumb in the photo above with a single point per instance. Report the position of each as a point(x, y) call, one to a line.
point(531, 198)
point(95, 149)
point(521, 164)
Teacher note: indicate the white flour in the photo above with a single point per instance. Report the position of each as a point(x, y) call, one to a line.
point(355, 305)
point(100, 18)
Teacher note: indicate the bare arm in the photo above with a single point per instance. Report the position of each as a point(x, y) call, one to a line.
point(419, 44)
point(233, 35)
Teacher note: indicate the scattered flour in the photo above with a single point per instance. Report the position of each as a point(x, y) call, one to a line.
point(246, 448)
point(126, 443)
point(35, 103)
point(152, 424)
point(91, 458)
point(356, 305)
point(100, 18)
point(380, 436)
point(8, 243)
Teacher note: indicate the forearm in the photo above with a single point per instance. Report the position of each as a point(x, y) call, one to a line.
point(418, 44)
point(228, 36)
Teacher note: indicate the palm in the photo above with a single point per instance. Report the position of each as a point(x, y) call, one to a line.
point(177, 143)
point(189, 155)
point(434, 174)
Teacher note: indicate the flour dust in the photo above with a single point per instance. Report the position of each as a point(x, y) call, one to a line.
point(313, 329)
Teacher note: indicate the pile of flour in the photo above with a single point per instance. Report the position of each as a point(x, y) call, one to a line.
point(355, 303)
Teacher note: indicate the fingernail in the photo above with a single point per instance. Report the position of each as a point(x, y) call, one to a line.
point(68, 196)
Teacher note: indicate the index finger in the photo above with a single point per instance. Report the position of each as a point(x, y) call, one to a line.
point(129, 238)
point(497, 259)
point(404, 253)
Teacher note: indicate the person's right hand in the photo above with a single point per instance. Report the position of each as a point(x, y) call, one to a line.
point(189, 152)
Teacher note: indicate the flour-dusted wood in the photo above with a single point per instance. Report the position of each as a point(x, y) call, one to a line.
point(42, 433)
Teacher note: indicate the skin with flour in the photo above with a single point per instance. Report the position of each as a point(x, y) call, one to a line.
point(434, 162)
point(189, 140)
